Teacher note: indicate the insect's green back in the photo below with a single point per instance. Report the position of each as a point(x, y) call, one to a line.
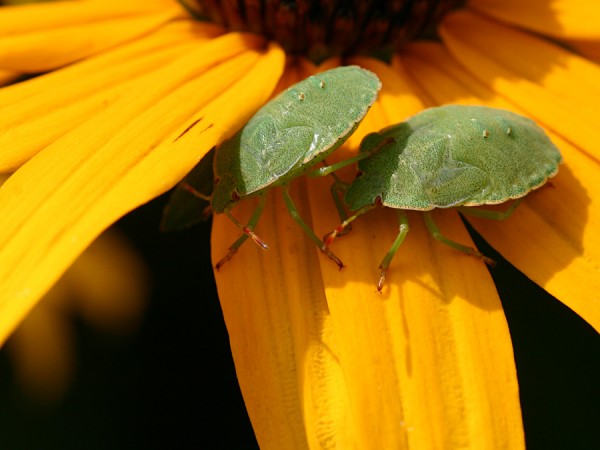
point(454, 155)
point(292, 132)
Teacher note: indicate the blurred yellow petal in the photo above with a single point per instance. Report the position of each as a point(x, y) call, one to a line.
point(106, 286)
point(42, 348)
point(553, 235)
point(558, 18)
point(324, 361)
point(557, 88)
point(167, 122)
point(109, 284)
point(35, 39)
point(6, 76)
point(590, 49)
point(42, 109)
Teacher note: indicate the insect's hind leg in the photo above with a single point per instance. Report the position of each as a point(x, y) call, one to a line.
point(338, 188)
point(489, 214)
point(248, 230)
point(437, 234)
point(385, 263)
point(311, 234)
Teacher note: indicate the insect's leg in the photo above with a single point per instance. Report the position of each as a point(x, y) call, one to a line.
point(195, 192)
point(338, 189)
point(248, 232)
point(487, 214)
point(340, 230)
point(327, 170)
point(311, 234)
point(436, 233)
point(385, 263)
point(188, 187)
point(382, 142)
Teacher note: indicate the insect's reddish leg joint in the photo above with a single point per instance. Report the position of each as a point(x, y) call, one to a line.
point(255, 238)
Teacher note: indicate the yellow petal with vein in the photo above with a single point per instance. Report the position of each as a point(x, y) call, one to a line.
point(557, 88)
point(136, 149)
point(558, 18)
point(553, 235)
point(56, 14)
point(38, 111)
point(37, 50)
point(324, 361)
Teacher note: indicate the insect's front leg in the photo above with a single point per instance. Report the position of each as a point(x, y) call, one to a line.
point(248, 230)
point(338, 189)
point(371, 144)
point(311, 234)
point(341, 228)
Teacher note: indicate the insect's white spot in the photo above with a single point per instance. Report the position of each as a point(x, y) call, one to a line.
point(509, 131)
point(486, 134)
point(322, 84)
point(301, 96)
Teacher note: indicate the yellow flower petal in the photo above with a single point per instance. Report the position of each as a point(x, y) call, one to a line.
point(106, 287)
point(590, 49)
point(132, 151)
point(37, 38)
point(6, 76)
point(324, 361)
point(557, 88)
point(553, 236)
point(38, 111)
point(42, 351)
point(558, 18)
point(57, 14)
point(109, 284)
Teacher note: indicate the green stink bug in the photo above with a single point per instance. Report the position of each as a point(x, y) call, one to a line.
point(449, 156)
point(296, 130)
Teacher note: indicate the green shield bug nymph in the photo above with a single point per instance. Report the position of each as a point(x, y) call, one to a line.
point(449, 156)
point(296, 130)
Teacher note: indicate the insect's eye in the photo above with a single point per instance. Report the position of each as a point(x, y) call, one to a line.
point(235, 196)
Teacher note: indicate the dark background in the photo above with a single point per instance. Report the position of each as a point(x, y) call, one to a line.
point(173, 385)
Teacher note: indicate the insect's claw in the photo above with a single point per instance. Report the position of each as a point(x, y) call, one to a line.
point(489, 261)
point(331, 256)
point(206, 213)
point(227, 257)
point(382, 276)
point(256, 239)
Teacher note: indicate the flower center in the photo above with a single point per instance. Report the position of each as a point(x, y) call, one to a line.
point(319, 29)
